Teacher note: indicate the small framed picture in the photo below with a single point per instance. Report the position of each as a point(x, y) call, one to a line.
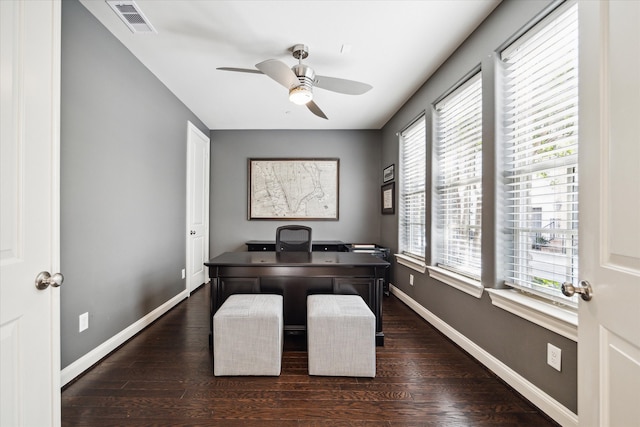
point(387, 173)
point(387, 196)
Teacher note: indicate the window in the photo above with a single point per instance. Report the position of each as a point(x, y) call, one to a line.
point(412, 190)
point(458, 195)
point(541, 156)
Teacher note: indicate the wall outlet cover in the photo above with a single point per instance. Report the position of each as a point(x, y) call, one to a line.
point(554, 357)
point(83, 322)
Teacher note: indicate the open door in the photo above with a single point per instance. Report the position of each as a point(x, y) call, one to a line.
point(609, 324)
point(29, 207)
point(198, 152)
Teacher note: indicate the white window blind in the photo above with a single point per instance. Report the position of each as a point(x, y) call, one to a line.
point(458, 196)
point(412, 231)
point(541, 155)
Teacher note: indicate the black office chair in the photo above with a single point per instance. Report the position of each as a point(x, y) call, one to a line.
point(293, 238)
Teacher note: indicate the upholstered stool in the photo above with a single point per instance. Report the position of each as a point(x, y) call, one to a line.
point(341, 336)
point(248, 335)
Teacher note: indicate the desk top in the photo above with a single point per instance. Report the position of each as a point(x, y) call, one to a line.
point(296, 259)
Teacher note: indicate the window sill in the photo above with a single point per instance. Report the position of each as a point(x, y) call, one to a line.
point(561, 320)
point(458, 281)
point(412, 263)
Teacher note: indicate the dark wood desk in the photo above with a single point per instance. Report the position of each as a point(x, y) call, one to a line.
point(294, 275)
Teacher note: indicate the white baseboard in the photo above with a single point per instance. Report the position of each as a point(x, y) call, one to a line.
point(95, 355)
point(535, 395)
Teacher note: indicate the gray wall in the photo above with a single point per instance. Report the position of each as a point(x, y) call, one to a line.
point(123, 180)
point(516, 342)
point(360, 172)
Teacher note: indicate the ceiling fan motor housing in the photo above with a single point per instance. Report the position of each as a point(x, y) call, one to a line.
point(302, 93)
point(305, 75)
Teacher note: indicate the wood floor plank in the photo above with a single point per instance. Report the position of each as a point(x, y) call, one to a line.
point(163, 377)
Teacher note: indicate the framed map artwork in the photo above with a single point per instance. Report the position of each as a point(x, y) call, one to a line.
point(288, 189)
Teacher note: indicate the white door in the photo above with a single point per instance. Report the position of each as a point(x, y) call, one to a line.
point(197, 206)
point(609, 331)
point(29, 206)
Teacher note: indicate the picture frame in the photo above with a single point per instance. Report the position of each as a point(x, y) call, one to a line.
point(293, 188)
point(387, 198)
point(388, 173)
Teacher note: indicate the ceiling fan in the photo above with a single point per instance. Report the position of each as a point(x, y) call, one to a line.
point(301, 79)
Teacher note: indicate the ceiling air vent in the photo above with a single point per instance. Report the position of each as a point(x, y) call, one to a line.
point(132, 16)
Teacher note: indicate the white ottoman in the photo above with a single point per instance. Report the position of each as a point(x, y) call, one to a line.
point(341, 336)
point(248, 335)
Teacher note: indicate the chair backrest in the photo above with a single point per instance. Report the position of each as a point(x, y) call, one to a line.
point(293, 238)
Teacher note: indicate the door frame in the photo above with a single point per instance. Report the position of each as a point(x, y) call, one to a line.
point(189, 287)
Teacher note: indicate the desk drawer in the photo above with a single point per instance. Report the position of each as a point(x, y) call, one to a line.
point(326, 248)
point(251, 247)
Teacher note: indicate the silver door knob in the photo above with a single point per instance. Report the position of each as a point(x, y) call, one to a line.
point(585, 290)
point(44, 279)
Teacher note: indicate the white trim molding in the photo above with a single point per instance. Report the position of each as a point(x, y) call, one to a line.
point(561, 320)
point(94, 356)
point(458, 281)
point(412, 263)
point(530, 391)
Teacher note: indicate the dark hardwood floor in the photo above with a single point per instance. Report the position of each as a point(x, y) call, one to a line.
point(163, 377)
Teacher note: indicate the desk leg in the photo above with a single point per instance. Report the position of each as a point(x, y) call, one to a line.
point(379, 283)
point(213, 299)
point(211, 290)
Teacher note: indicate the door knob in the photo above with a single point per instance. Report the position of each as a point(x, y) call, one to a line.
point(192, 232)
point(585, 290)
point(44, 279)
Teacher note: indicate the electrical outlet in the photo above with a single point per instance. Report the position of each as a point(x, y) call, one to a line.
point(83, 322)
point(554, 356)
point(411, 279)
point(184, 273)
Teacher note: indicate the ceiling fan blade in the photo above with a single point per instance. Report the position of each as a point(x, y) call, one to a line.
point(280, 72)
point(348, 87)
point(313, 107)
point(240, 70)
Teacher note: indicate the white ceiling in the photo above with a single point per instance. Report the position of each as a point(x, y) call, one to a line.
point(395, 46)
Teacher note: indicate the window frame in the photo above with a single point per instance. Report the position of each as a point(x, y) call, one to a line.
point(515, 209)
point(415, 134)
point(468, 95)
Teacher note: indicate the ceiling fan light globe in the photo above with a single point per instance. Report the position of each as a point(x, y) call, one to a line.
point(300, 95)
